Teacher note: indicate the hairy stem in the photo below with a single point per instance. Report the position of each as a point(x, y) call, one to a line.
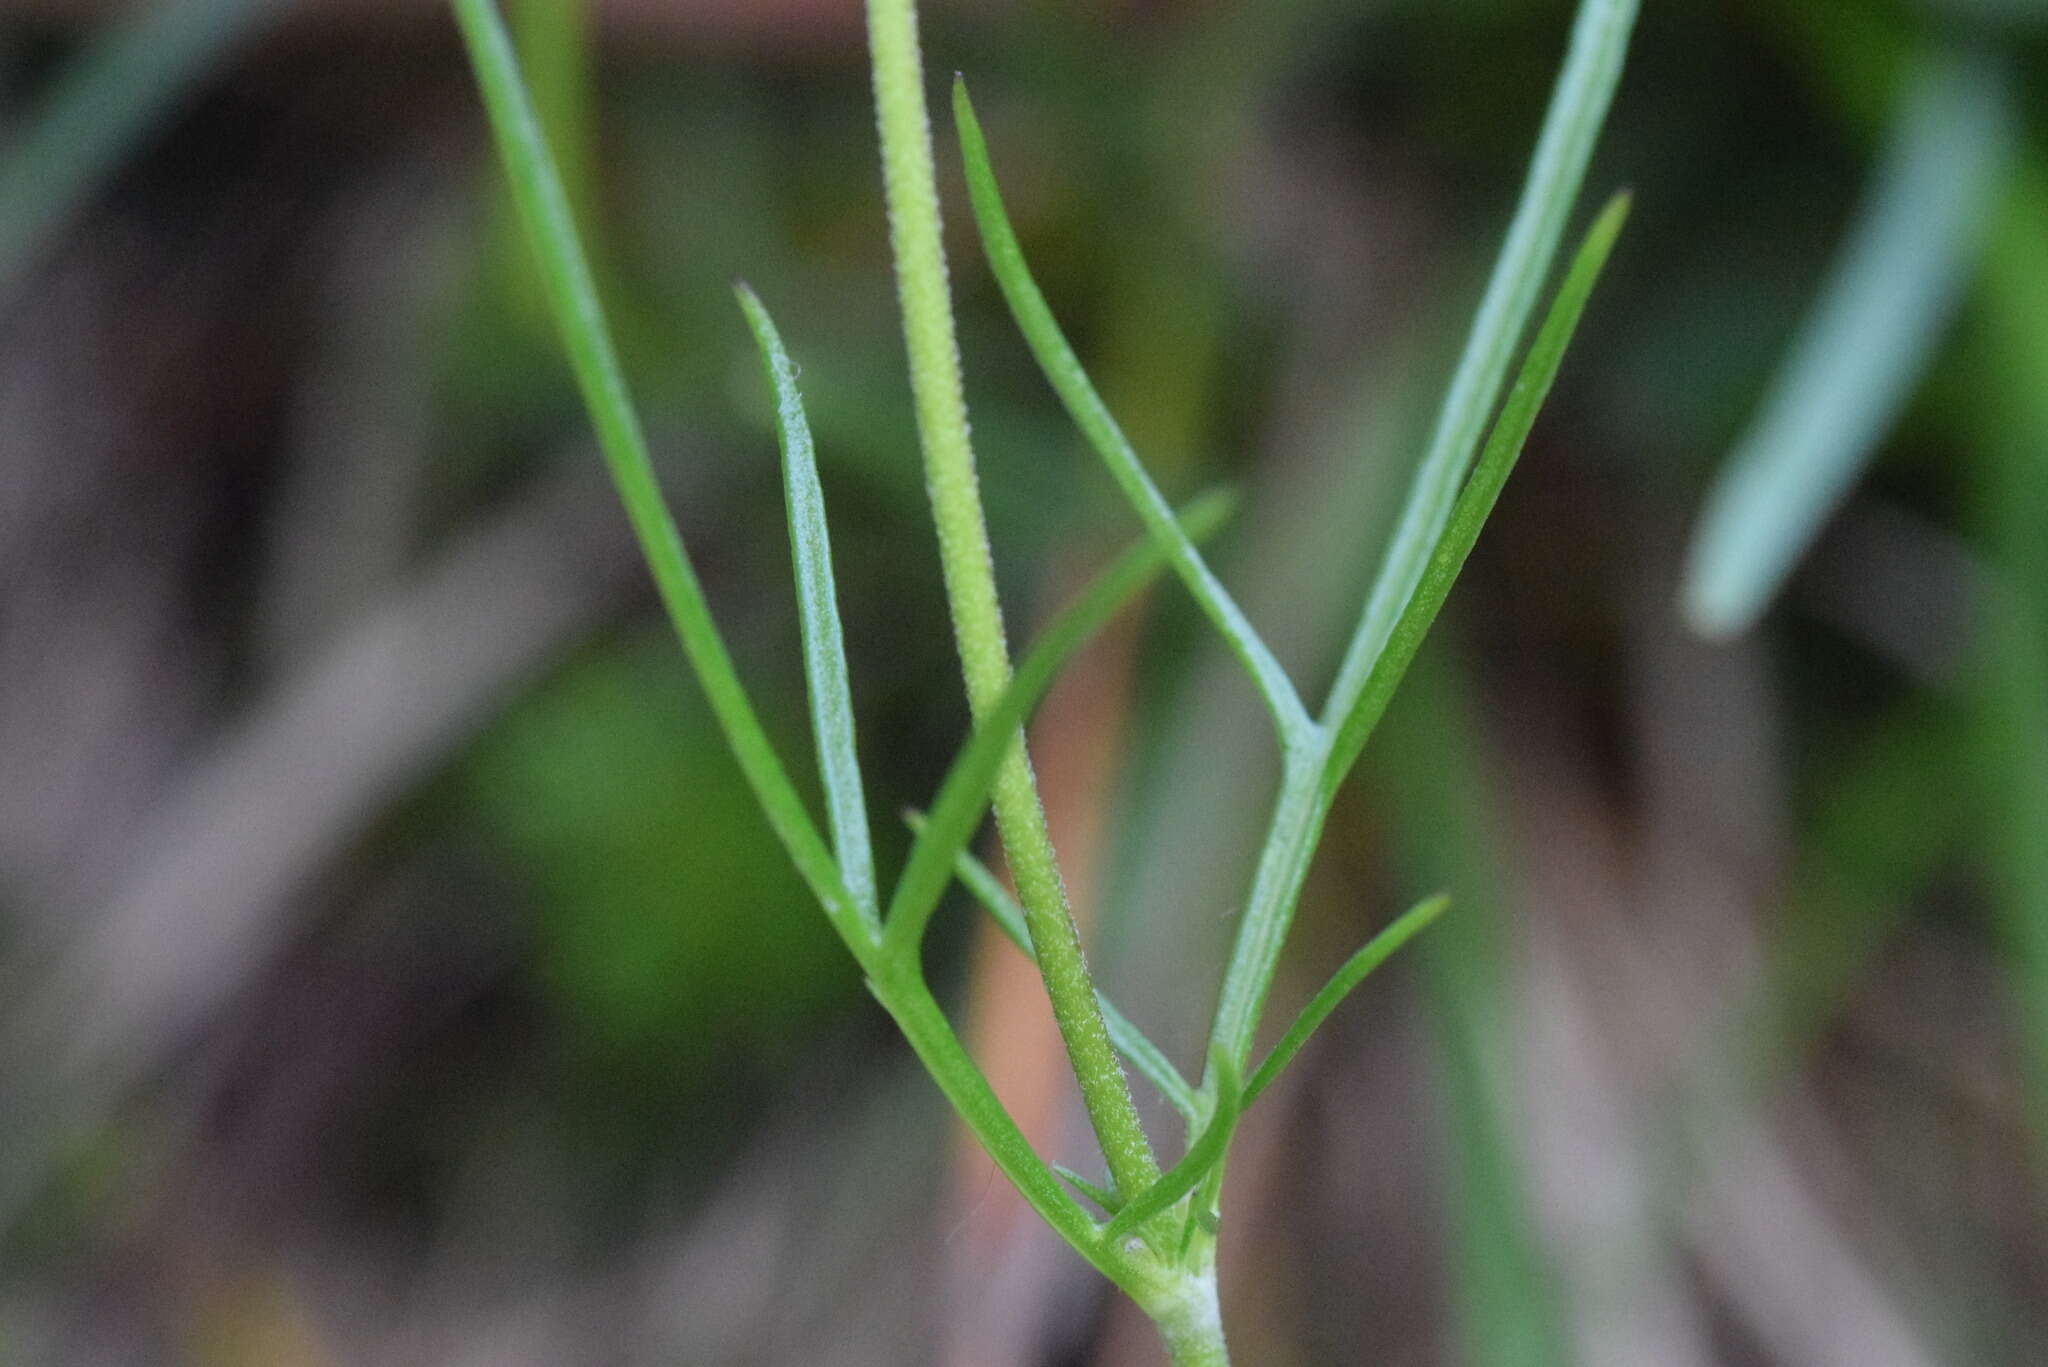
point(912, 193)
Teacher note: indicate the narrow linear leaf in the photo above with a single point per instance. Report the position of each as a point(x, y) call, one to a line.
point(1138, 1050)
point(956, 814)
point(565, 272)
point(1110, 1202)
point(1866, 342)
point(1202, 1155)
point(101, 105)
point(831, 695)
point(1475, 502)
point(1578, 108)
point(1057, 359)
point(1375, 952)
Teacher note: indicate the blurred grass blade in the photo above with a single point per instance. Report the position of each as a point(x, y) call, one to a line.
point(1505, 1288)
point(1862, 862)
point(824, 645)
point(1863, 346)
point(1475, 502)
point(1376, 952)
point(100, 106)
point(956, 814)
point(1056, 358)
point(537, 189)
point(2012, 713)
point(1202, 1155)
point(1578, 107)
point(1138, 1050)
point(1110, 1202)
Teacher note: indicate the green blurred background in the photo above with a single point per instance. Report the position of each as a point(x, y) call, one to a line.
point(394, 969)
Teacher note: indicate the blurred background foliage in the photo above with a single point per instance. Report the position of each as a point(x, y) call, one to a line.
point(394, 969)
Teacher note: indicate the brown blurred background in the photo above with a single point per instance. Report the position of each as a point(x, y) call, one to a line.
point(393, 968)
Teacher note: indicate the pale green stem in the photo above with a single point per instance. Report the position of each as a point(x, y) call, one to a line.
point(1192, 1323)
point(912, 193)
point(1289, 847)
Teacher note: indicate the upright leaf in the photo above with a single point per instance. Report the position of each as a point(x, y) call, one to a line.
point(1475, 503)
point(1578, 108)
point(572, 296)
point(1057, 359)
point(1375, 952)
point(818, 608)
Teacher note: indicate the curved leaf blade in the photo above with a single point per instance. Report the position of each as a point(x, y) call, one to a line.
point(1063, 369)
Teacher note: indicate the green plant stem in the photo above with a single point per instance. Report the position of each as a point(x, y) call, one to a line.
point(1191, 1323)
point(911, 189)
point(1290, 844)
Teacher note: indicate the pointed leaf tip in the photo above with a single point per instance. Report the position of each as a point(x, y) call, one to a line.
point(825, 671)
point(1375, 952)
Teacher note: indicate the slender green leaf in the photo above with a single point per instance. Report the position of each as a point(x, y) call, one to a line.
point(1138, 1050)
point(1056, 358)
point(818, 607)
point(1863, 347)
point(1578, 107)
point(1201, 1158)
point(101, 105)
point(537, 189)
point(956, 814)
point(1475, 502)
point(1375, 952)
point(1110, 1202)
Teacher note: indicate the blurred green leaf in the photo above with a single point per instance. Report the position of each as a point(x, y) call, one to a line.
point(101, 106)
point(670, 927)
point(1508, 1296)
point(1863, 346)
